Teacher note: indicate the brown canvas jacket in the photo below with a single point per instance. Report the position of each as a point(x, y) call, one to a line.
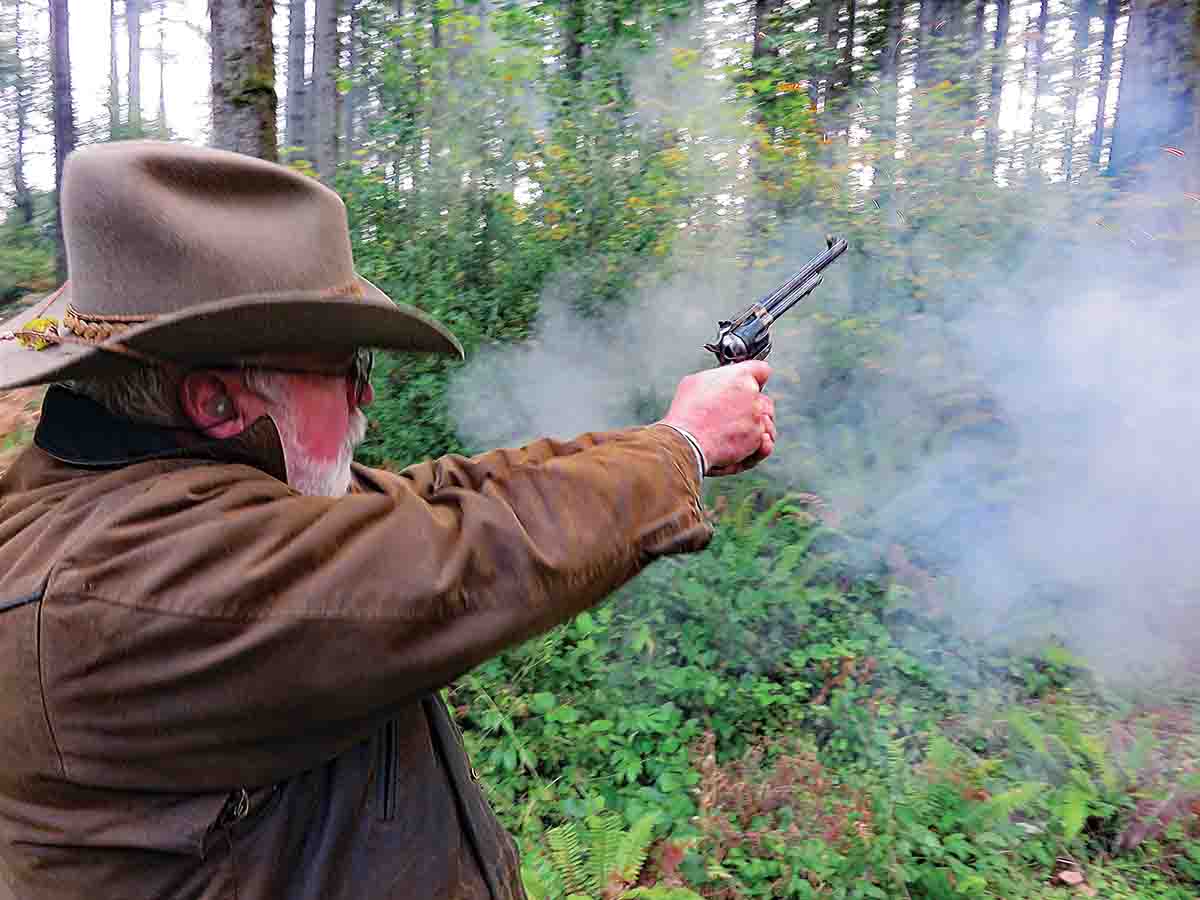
point(213, 687)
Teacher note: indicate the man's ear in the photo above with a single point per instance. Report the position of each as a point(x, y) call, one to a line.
point(209, 405)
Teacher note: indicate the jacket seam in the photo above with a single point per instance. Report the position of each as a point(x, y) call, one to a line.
point(41, 665)
point(279, 617)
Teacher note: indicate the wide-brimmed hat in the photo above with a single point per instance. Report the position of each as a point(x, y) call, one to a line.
point(201, 257)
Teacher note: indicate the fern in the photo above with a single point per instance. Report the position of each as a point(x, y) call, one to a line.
point(635, 847)
point(1030, 732)
point(1002, 806)
point(1096, 754)
point(585, 861)
point(942, 754)
point(604, 837)
point(566, 851)
point(1071, 810)
point(540, 879)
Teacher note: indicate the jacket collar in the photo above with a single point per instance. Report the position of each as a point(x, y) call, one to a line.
point(78, 431)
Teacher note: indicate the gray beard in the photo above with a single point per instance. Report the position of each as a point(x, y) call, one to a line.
point(308, 476)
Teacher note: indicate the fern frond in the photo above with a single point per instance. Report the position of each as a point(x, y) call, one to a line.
point(1072, 811)
point(635, 846)
point(540, 878)
point(942, 754)
point(1002, 806)
point(1030, 732)
point(604, 835)
point(1097, 755)
point(566, 851)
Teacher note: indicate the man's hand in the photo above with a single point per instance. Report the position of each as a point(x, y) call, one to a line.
point(727, 413)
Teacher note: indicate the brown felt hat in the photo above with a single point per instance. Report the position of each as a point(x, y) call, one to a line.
point(201, 257)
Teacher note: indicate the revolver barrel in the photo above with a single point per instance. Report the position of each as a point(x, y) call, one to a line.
point(748, 336)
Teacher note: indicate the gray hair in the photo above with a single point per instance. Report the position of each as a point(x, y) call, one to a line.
point(148, 394)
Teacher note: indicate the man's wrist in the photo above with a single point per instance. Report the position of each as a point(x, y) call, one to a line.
point(701, 460)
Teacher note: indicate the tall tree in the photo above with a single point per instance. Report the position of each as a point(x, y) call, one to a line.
point(297, 83)
point(353, 98)
point(1157, 82)
point(133, 25)
point(64, 115)
point(996, 90)
point(243, 77)
point(761, 55)
point(1082, 27)
point(829, 26)
point(1194, 186)
point(574, 18)
point(23, 98)
point(1111, 13)
point(326, 69)
point(161, 124)
point(889, 70)
point(941, 27)
point(848, 62)
point(1033, 160)
point(114, 79)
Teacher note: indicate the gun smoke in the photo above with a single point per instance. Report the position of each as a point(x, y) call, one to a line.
point(1030, 436)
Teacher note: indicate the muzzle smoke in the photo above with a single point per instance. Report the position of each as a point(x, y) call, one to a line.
point(1028, 436)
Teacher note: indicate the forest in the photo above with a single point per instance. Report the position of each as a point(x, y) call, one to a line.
point(946, 641)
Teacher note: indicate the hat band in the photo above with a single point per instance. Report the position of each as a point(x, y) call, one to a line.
point(96, 327)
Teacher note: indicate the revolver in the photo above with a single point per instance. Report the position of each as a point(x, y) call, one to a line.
point(748, 336)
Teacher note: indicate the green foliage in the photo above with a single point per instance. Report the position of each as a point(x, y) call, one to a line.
point(798, 718)
point(26, 261)
point(593, 858)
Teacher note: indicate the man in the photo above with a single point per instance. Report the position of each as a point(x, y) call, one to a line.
point(220, 641)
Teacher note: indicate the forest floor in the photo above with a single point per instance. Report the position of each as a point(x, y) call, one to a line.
point(19, 411)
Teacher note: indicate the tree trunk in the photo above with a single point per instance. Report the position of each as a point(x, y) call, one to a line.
point(977, 30)
point(1035, 52)
point(353, 97)
point(163, 133)
point(1106, 59)
point(133, 24)
point(830, 25)
point(326, 69)
point(297, 83)
point(999, 63)
point(218, 104)
point(243, 85)
point(114, 79)
point(758, 208)
point(941, 21)
point(927, 20)
point(64, 116)
point(1083, 23)
point(1155, 103)
point(22, 196)
point(573, 22)
point(889, 70)
point(1194, 185)
point(848, 63)
point(1034, 157)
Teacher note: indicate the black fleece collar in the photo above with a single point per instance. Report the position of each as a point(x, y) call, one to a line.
point(78, 431)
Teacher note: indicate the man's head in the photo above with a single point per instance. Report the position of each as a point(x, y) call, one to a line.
point(187, 257)
point(314, 399)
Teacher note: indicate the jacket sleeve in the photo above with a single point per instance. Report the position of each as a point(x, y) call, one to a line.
point(219, 629)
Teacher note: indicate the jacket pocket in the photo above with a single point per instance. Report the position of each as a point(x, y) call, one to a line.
point(389, 771)
point(243, 809)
